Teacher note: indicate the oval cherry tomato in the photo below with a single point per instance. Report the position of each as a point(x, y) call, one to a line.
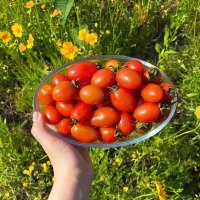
point(57, 78)
point(103, 78)
point(135, 65)
point(81, 71)
point(141, 127)
point(91, 94)
point(64, 108)
point(128, 78)
point(152, 75)
point(152, 93)
point(168, 91)
point(126, 124)
point(80, 112)
point(45, 94)
point(51, 115)
point(104, 117)
point(123, 100)
point(108, 134)
point(147, 112)
point(112, 64)
point(64, 91)
point(64, 127)
point(84, 133)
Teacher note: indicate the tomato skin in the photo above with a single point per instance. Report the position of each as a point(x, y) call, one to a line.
point(128, 78)
point(152, 75)
point(64, 127)
point(104, 117)
point(123, 100)
point(147, 112)
point(45, 94)
point(85, 133)
point(103, 78)
point(64, 108)
point(57, 78)
point(91, 94)
point(51, 115)
point(112, 64)
point(81, 111)
point(64, 91)
point(126, 124)
point(135, 65)
point(168, 91)
point(152, 92)
point(81, 71)
point(108, 134)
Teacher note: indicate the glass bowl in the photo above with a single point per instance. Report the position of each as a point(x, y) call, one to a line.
point(133, 137)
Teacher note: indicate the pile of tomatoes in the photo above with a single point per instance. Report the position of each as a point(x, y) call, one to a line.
point(105, 101)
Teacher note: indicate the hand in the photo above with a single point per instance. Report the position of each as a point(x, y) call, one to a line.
point(72, 166)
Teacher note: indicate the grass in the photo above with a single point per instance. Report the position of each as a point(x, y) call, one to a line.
point(165, 33)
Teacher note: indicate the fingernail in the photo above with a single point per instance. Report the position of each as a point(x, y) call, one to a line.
point(35, 116)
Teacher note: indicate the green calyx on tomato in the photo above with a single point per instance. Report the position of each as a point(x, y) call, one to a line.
point(142, 127)
point(119, 135)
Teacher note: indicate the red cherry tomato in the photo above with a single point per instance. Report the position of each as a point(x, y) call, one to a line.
point(112, 64)
point(85, 133)
point(152, 75)
point(104, 117)
point(128, 78)
point(108, 134)
point(64, 91)
point(147, 112)
point(81, 71)
point(142, 127)
point(51, 115)
point(152, 93)
point(64, 108)
point(126, 124)
point(45, 94)
point(57, 78)
point(123, 100)
point(135, 65)
point(80, 112)
point(91, 94)
point(168, 91)
point(64, 127)
point(103, 78)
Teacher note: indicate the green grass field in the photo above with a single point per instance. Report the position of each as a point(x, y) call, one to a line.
point(35, 38)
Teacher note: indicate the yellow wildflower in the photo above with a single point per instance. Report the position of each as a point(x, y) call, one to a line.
point(30, 41)
point(43, 6)
point(17, 30)
point(91, 39)
point(48, 162)
point(82, 34)
point(107, 32)
point(102, 178)
point(36, 198)
point(44, 165)
point(96, 24)
point(197, 112)
point(68, 50)
point(53, 179)
point(55, 13)
point(24, 184)
point(7, 194)
point(29, 4)
point(125, 189)
point(58, 43)
point(5, 36)
point(22, 47)
point(160, 191)
point(29, 12)
point(118, 160)
point(29, 24)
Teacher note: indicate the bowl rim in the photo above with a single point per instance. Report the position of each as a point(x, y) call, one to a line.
point(119, 143)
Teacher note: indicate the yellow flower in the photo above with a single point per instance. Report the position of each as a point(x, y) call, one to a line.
point(118, 160)
point(29, 4)
point(91, 38)
point(102, 178)
point(125, 189)
point(107, 32)
point(68, 50)
point(5, 36)
point(17, 30)
point(160, 191)
point(58, 43)
point(53, 179)
point(36, 198)
point(82, 34)
point(7, 194)
point(43, 6)
point(197, 112)
point(29, 12)
point(24, 184)
point(29, 24)
point(22, 47)
point(55, 13)
point(30, 41)
point(44, 165)
point(96, 24)
point(48, 163)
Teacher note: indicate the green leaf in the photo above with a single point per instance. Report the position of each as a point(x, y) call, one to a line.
point(158, 48)
point(166, 36)
point(64, 6)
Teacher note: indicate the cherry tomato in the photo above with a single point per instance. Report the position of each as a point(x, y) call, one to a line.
point(84, 133)
point(135, 65)
point(152, 75)
point(51, 115)
point(128, 78)
point(91, 94)
point(112, 64)
point(126, 124)
point(80, 112)
point(64, 127)
point(103, 78)
point(64, 108)
point(147, 112)
point(141, 127)
point(57, 78)
point(123, 100)
point(104, 117)
point(152, 93)
point(81, 71)
point(108, 134)
point(45, 94)
point(168, 91)
point(64, 91)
